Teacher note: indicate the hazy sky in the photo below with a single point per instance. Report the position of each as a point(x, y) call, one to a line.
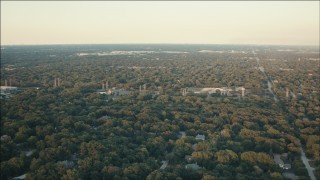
point(205, 22)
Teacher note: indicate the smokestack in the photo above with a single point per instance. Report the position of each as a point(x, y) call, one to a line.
point(107, 84)
point(58, 82)
point(243, 90)
point(184, 91)
point(55, 82)
point(140, 89)
point(287, 92)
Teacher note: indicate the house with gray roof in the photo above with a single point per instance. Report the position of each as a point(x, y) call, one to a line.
point(200, 137)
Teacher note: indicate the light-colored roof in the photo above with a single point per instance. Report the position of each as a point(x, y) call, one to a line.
point(192, 166)
point(20, 177)
point(8, 87)
point(277, 159)
point(289, 175)
point(66, 163)
point(202, 137)
point(5, 138)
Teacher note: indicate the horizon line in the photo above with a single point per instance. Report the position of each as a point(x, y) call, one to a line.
point(243, 44)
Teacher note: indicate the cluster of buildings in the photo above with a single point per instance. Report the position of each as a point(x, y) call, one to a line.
point(188, 158)
point(122, 92)
point(113, 91)
point(211, 90)
point(6, 91)
point(279, 161)
point(223, 91)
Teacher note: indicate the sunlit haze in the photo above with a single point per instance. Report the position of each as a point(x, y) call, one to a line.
point(206, 22)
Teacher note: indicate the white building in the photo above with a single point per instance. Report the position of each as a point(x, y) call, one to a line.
point(8, 89)
point(200, 137)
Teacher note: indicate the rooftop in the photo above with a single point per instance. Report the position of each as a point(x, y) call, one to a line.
point(192, 166)
point(8, 88)
point(200, 137)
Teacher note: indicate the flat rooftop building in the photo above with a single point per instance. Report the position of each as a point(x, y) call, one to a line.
point(200, 137)
point(8, 88)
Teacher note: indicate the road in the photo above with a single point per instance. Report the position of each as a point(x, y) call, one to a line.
point(267, 77)
point(164, 164)
point(305, 161)
point(292, 94)
point(303, 155)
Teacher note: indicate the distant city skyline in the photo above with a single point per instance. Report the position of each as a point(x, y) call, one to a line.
point(160, 22)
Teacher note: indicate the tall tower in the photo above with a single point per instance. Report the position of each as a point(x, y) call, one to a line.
point(160, 89)
point(243, 91)
point(55, 82)
point(107, 84)
point(58, 82)
point(140, 89)
point(184, 91)
point(287, 92)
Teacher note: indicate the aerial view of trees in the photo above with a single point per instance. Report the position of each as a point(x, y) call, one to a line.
point(141, 126)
